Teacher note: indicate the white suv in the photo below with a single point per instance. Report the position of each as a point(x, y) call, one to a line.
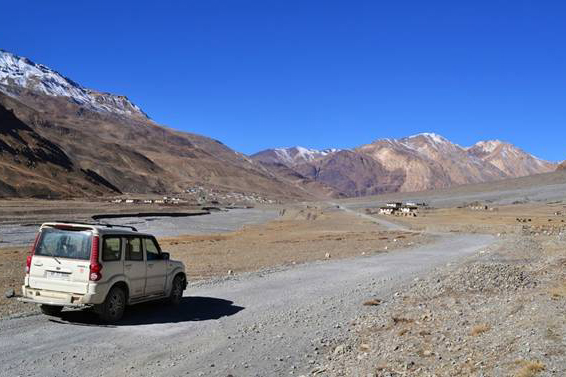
point(99, 265)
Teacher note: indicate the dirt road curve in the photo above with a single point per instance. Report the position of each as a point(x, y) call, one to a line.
point(261, 324)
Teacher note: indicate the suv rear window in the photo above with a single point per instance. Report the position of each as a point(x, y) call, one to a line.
point(112, 249)
point(64, 244)
point(133, 249)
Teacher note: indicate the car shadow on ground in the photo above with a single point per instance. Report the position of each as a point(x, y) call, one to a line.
point(190, 309)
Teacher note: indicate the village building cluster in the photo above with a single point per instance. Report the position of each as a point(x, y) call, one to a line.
point(164, 200)
point(203, 194)
point(400, 209)
point(477, 206)
point(200, 195)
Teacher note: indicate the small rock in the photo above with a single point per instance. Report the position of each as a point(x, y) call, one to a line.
point(365, 347)
point(339, 349)
point(372, 302)
point(10, 293)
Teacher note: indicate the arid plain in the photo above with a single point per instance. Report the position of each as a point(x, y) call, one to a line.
point(498, 311)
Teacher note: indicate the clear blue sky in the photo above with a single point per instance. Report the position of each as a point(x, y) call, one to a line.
point(258, 74)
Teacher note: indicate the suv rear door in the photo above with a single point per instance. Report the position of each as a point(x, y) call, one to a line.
point(61, 260)
point(134, 266)
point(112, 260)
point(156, 267)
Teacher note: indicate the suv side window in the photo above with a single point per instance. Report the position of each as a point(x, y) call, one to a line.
point(111, 249)
point(151, 249)
point(133, 249)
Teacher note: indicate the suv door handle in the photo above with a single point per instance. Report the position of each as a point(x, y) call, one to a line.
point(37, 264)
point(128, 265)
point(150, 265)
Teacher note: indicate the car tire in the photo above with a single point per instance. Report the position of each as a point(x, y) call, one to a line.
point(51, 310)
point(177, 288)
point(112, 310)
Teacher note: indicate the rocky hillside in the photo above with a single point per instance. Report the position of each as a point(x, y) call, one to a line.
point(420, 162)
point(562, 166)
point(112, 140)
point(353, 174)
point(31, 165)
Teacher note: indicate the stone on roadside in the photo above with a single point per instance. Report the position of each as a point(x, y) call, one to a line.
point(339, 349)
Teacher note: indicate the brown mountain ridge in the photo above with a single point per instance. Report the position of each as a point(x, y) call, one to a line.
point(420, 162)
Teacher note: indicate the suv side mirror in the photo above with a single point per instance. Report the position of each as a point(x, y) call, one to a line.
point(165, 256)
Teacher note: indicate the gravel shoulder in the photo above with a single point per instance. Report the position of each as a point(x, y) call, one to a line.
point(499, 313)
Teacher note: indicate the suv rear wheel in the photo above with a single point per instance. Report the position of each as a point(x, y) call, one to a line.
point(112, 310)
point(51, 310)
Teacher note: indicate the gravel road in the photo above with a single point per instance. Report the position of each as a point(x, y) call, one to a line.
point(259, 324)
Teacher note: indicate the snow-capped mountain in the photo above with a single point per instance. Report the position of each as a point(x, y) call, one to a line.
point(292, 155)
point(429, 161)
point(419, 162)
point(19, 73)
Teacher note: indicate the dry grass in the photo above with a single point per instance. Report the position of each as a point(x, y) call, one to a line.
point(479, 329)
point(287, 241)
point(530, 369)
point(558, 292)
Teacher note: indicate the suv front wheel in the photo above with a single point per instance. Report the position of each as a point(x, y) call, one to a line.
point(177, 290)
point(112, 310)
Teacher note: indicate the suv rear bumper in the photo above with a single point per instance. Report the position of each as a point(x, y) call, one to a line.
point(48, 302)
point(46, 297)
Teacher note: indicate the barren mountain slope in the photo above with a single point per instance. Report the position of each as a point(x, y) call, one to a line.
point(509, 159)
point(355, 174)
point(310, 185)
point(31, 165)
point(114, 138)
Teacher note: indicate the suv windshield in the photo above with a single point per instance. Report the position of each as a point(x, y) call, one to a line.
point(64, 244)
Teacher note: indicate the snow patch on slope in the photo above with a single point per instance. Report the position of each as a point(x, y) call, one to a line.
point(487, 146)
point(298, 154)
point(435, 138)
point(22, 72)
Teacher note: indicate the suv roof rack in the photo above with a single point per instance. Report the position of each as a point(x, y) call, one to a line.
point(96, 224)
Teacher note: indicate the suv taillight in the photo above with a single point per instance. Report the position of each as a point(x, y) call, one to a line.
point(95, 266)
point(28, 264)
point(32, 252)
